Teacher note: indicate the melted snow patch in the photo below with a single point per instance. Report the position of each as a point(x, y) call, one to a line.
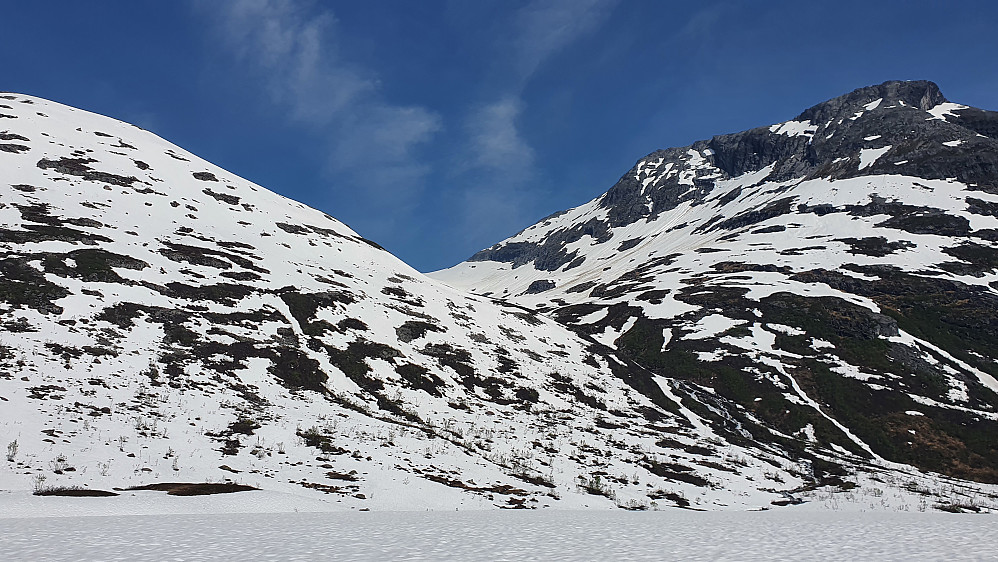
point(807, 432)
point(867, 156)
point(873, 104)
point(712, 325)
point(851, 371)
point(818, 344)
point(710, 356)
point(666, 337)
point(610, 335)
point(594, 317)
point(788, 330)
point(794, 128)
point(953, 143)
point(958, 392)
point(942, 110)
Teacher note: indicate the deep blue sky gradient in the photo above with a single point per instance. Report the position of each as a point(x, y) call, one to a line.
point(440, 127)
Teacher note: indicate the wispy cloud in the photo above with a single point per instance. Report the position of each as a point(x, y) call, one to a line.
point(376, 146)
point(701, 26)
point(539, 31)
point(495, 141)
point(545, 27)
point(499, 159)
point(293, 46)
point(295, 49)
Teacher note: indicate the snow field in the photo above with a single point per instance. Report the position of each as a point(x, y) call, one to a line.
point(792, 534)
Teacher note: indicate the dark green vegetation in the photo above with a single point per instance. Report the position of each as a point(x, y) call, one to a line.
point(23, 285)
point(303, 307)
point(752, 396)
point(81, 167)
point(961, 320)
point(415, 329)
point(298, 371)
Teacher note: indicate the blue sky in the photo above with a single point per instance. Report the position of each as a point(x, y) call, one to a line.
point(437, 128)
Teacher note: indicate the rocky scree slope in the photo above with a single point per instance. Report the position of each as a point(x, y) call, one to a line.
point(162, 319)
point(824, 284)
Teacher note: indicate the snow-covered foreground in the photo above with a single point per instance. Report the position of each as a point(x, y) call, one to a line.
point(490, 535)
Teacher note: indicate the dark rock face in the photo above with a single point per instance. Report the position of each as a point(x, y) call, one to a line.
point(80, 167)
point(548, 256)
point(920, 94)
point(540, 286)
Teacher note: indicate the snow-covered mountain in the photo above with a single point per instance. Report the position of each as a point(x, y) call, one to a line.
point(163, 320)
point(826, 283)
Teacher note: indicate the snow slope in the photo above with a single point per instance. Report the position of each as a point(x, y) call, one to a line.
point(163, 320)
point(166, 320)
point(832, 279)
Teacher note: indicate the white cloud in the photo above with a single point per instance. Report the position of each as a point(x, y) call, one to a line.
point(294, 49)
point(386, 133)
point(293, 46)
point(540, 30)
point(499, 162)
point(545, 27)
point(495, 141)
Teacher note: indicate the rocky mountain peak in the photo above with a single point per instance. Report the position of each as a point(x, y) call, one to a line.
point(895, 128)
point(920, 94)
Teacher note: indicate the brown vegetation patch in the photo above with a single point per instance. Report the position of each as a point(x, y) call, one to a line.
point(195, 488)
point(73, 491)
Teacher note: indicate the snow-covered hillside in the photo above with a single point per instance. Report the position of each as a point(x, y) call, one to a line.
point(829, 281)
point(163, 320)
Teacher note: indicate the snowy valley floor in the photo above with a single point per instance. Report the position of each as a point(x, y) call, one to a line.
point(209, 529)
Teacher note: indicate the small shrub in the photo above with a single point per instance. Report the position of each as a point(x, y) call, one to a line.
point(244, 426)
point(314, 437)
point(957, 507)
point(59, 465)
point(596, 486)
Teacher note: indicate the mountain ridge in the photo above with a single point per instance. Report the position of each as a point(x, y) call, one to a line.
point(795, 148)
point(165, 319)
point(162, 319)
